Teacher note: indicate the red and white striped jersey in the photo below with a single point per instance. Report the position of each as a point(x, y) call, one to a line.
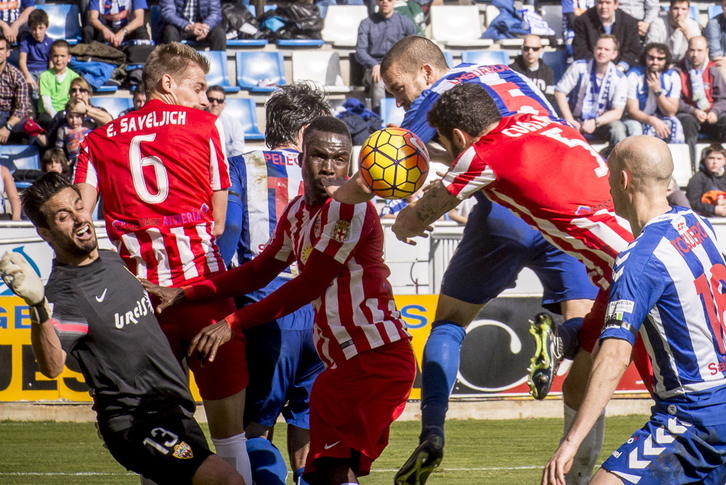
point(357, 311)
point(547, 174)
point(156, 169)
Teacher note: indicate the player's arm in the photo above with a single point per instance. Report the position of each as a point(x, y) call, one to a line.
point(415, 219)
point(348, 191)
point(88, 195)
point(610, 364)
point(219, 203)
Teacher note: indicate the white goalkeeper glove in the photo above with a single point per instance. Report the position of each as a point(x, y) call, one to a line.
point(21, 279)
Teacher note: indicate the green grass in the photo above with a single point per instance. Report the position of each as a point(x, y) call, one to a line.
point(477, 452)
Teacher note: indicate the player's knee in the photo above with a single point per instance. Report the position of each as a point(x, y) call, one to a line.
point(214, 470)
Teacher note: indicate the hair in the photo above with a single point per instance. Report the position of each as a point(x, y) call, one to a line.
point(7, 44)
point(38, 17)
point(79, 81)
point(60, 43)
point(327, 124)
point(611, 37)
point(289, 109)
point(73, 103)
point(140, 89)
point(216, 89)
point(172, 59)
point(44, 189)
point(660, 47)
point(467, 107)
point(412, 52)
point(673, 2)
point(55, 155)
point(712, 148)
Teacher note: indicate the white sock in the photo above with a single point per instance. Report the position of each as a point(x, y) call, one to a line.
point(588, 452)
point(233, 450)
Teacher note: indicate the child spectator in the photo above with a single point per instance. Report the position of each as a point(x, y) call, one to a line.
point(54, 84)
point(54, 160)
point(72, 133)
point(707, 189)
point(35, 49)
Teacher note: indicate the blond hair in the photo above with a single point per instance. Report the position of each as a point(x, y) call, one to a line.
point(172, 59)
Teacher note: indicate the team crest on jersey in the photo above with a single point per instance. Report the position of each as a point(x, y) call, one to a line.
point(317, 227)
point(341, 231)
point(305, 254)
point(183, 451)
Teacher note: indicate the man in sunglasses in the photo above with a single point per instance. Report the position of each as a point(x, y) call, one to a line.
point(234, 132)
point(530, 64)
point(654, 91)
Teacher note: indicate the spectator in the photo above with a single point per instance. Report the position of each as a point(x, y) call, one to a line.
point(707, 189)
point(606, 18)
point(460, 213)
point(597, 105)
point(13, 16)
point(654, 92)
point(14, 102)
point(199, 20)
point(702, 107)
point(676, 196)
point(72, 133)
point(377, 34)
point(54, 83)
point(674, 29)
point(392, 207)
point(35, 49)
point(529, 64)
point(644, 11)
point(115, 22)
point(571, 9)
point(139, 100)
point(715, 32)
point(55, 160)
point(234, 132)
point(7, 187)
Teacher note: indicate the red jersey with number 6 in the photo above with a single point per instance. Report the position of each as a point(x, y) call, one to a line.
point(548, 175)
point(157, 169)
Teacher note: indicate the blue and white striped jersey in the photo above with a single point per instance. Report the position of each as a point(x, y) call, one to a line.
point(670, 285)
point(512, 92)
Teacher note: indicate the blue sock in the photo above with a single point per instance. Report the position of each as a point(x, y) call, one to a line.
point(439, 369)
point(268, 465)
point(298, 475)
point(569, 331)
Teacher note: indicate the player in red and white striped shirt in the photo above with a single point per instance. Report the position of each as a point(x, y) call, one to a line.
point(163, 175)
point(359, 333)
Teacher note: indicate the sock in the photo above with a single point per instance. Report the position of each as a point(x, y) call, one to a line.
point(569, 331)
point(439, 369)
point(233, 450)
point(587, 454)
point(268, 465)
point(297, 477)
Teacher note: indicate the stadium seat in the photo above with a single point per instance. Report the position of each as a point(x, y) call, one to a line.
point(260, 72)
point(552, 14)
point(391, 113)
point(681, 163)
point(320, 66)
point(245, 111)
point(485, 57)
point(246, 42)
point(449, 59)
point(457, 26)
point(112, 104)
point(557, 60)
point(20, 157)
point(300, 42)
point(714, 11)
point(218, 72)
point(341, 24)
point(65, 22)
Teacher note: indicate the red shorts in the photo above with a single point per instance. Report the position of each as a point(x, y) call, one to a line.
point(352, 406)
point(227, 375)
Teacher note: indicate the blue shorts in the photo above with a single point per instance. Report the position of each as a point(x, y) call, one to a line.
point(283, 366)
point(496, 245)
point(668, 450)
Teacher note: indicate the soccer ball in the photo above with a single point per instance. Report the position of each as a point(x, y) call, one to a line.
point(394, 163)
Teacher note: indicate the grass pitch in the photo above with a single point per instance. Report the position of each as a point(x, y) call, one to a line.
point(477, 452)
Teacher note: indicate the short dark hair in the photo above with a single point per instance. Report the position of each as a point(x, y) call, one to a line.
point(216, 89)
point(60, 43)
point(53, 155)
point(44, 189)
point(467, 107)
point(326, 124)
point(713, 148)
point(38, 17)
point(289, 109)
point(412, 52)
point(673, 2)
point(7, 44)
point(140, 89)
point(658, 46)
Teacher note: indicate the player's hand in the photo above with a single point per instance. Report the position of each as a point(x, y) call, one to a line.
point(209, 339)
point(348, 191)
point(21, 278)
point(403, 232)
point(332, 185)
point(167, 296)
point(559, 464)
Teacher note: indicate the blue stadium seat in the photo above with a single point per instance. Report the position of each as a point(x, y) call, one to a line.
point(390, 112)
point(246, 42)
point(20, 157)
point(557, 60)
point(112, 104)
point(485, 57)
point(106, 88)
point(218, 72)
point(245, 111)
point(256, 68)
point(300, 42)
point(449, 58)
point(65, 22)
point(714, 11)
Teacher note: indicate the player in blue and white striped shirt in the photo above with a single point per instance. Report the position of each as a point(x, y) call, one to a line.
point(668, 287)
